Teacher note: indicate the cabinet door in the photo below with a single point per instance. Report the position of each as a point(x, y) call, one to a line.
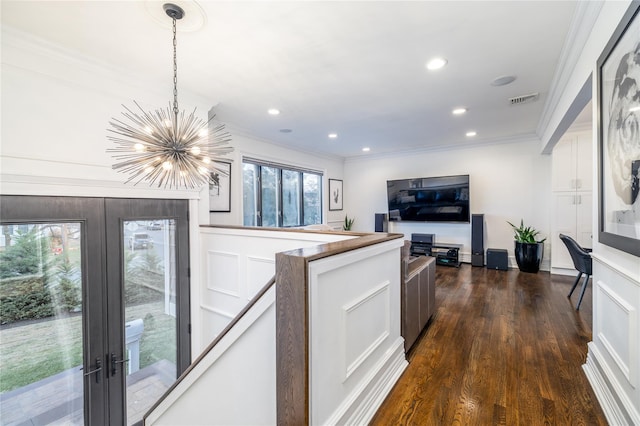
point(584, 214)
point(564, 165)
point(564, 213)
point(411, 314)
point(430, 285)
point(584, 162)
point(572, 162)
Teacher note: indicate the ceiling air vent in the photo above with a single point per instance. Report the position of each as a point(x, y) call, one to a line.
point(524, 99)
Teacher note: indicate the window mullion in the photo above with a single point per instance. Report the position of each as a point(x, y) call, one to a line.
point(301, 198)
point(259, 198)
point(280, 192)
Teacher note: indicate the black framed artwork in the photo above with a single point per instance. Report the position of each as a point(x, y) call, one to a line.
point(220, 188)
point(618, 103)
point(335, 194)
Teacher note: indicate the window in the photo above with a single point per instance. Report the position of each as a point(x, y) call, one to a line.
point(280, 196)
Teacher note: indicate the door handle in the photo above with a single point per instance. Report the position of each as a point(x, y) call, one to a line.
point(96, 370)
point(115, 362)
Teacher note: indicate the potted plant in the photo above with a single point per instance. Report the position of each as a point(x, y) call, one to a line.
point(528, 250)
point(348, 223)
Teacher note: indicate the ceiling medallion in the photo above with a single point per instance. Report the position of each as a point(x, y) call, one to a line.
point(168, 148)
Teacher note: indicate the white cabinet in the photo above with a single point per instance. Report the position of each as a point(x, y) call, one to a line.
point(572, 195)
point(572, 163)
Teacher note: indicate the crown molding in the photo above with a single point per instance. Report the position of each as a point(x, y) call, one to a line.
point(522, 138)
point(584, 18)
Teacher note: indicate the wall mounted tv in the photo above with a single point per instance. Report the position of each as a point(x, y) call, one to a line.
point(429, 199)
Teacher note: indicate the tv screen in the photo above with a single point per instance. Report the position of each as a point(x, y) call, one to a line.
point(429, 199)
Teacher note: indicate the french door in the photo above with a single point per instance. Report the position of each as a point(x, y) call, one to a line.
point(94, 306)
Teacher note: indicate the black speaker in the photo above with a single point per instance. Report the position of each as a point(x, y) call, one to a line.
point(381, 222)
point(497, 259)
point(477, 240)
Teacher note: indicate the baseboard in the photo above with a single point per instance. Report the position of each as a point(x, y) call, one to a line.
point(363, 403)
point(617, 408)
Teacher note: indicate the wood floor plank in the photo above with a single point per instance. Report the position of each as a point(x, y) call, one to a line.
point(504, 348)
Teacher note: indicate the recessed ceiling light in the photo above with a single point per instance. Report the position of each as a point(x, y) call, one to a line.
point(471, 134)
point(504, 80)
point(273, 111)
point(459, 111)
point(436, 64)
point(366, 149)
point(332, 135)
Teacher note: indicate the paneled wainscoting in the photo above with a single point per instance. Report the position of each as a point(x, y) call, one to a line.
point(504, 348)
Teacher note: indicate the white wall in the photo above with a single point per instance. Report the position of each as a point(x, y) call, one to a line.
point(509, 182)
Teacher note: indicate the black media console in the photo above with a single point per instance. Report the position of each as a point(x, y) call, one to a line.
point(445, 253)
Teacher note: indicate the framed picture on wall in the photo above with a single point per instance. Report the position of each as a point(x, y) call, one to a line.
point(220, 188)
point(618, 103)
point(335, 194)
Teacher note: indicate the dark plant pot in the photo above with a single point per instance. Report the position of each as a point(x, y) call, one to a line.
point(529, 256)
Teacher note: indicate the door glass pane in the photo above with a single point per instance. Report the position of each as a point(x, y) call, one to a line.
point(41, 342)
point(250, 194)
point(312, 199)
point(290, 198)
point(269, 196)
point(150, 312)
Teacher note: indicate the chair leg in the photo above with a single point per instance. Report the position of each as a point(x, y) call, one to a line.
point(584, 287)
point(575, 283)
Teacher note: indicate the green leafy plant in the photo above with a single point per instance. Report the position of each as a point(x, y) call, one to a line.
point(525, 234)
point(348, 223)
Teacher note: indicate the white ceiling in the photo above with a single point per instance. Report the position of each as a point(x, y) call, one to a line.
point(356, 68)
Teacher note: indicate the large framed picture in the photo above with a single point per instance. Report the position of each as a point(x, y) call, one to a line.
point(335, 194)
point(618, 103)
point(220, 188)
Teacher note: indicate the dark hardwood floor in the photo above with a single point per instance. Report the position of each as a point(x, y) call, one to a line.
point(504, 348)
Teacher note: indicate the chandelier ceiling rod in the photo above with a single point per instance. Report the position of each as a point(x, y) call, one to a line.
point(175, 12)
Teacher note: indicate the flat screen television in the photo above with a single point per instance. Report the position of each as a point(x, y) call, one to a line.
point(429, 199)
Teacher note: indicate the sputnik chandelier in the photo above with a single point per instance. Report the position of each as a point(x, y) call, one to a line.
point(168, 147)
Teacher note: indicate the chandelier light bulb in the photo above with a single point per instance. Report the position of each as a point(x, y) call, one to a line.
point(138, 147)
point(206, 160)
point(167, 165)
point(203, 170)
point(195, 150)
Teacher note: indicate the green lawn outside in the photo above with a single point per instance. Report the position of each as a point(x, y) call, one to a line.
point(33, 352)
